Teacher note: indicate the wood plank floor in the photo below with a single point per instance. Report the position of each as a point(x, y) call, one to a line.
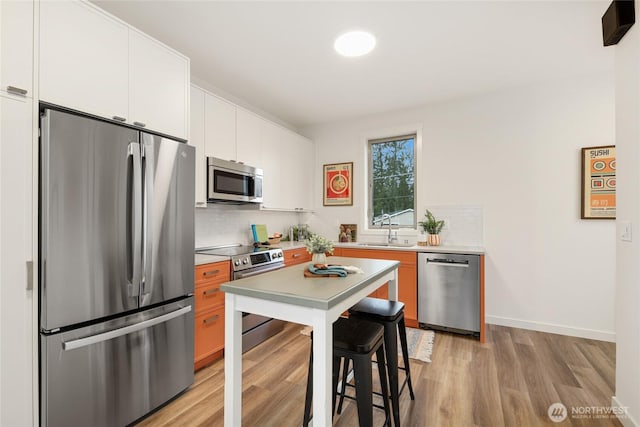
point(509, 381)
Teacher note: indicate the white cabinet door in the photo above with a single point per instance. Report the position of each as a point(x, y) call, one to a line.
point(159, 85)
point(196, 138)
point(219, 128)
point(249, 128)
point(274, 160)
point(83, 59)
point(16, 60)
point(16, 325)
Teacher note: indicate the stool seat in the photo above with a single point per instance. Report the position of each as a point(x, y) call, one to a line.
point(356, 335)
point(381, 308)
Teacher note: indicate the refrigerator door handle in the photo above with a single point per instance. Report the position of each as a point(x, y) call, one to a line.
point(148, 193)
point(98, 338)
point(134, 219)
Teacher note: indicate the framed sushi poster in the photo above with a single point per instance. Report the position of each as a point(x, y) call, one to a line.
point(599, 182)
point(338, 185)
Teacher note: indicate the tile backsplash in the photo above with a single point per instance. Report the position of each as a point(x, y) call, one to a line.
point(221, 224)
point(463, 224)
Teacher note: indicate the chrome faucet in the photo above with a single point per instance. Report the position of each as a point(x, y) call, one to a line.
point(389, 238)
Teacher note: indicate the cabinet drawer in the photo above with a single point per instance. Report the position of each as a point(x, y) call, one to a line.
point(208, 296)
point(217, 272)
point(209, 333)
point(296, 256)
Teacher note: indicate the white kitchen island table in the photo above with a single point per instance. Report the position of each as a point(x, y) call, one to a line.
point(287, 295)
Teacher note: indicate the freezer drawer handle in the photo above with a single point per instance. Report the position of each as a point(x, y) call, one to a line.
point(448, 262)
point(210, 292)
point(95, 339)
point(211, 273)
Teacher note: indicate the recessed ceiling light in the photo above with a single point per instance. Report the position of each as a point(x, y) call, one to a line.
point(355, 43)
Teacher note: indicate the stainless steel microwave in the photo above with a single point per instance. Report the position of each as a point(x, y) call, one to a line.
point(233, 182)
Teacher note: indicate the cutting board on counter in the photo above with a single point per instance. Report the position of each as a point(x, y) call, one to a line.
point(260, 234)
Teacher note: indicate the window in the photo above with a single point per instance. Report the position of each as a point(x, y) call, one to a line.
point(392, 180)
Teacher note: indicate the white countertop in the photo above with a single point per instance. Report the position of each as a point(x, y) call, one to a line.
point(471, 250)
point(201, 259)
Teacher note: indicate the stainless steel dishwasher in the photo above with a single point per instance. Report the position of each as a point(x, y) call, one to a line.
point(449, 292)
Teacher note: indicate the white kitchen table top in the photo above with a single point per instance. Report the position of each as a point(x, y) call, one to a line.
point(289, 285)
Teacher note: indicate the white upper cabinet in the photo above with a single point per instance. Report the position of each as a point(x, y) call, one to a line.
point(249, 129)
point(230, 132)
point(95, 63)
point(196, 138)
point(159, 80)
point(220, 128)
point(84, 59)
point(16, 47)
point(288, 160)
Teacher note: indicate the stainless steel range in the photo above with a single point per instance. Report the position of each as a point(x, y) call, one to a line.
point(247, 261)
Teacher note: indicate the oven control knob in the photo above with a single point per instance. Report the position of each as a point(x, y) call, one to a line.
point(279, 254)
point(245, 261)
point(236, 262)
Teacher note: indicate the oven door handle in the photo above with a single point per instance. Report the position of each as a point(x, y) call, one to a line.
point(242, 274)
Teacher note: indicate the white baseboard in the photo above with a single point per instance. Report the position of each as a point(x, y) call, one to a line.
point(626, 420)
point(552, 328)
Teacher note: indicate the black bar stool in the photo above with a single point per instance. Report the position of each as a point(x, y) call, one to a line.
point(356, 340)
point(389, 314)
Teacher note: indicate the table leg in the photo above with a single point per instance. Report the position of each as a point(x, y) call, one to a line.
point(393, 287)
point(232, 363)
point(322, 365)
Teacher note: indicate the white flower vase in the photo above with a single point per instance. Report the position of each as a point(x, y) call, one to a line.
point(319, 258)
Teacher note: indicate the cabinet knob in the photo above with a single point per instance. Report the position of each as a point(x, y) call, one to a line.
point(17, 91)
point(140, 124)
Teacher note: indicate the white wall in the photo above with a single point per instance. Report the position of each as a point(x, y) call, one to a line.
point(627, 310)
point(516, 153)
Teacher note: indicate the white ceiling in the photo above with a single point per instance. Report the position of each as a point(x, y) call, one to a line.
point(278, 56)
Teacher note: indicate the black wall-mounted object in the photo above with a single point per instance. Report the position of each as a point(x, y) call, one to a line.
point(617, 20)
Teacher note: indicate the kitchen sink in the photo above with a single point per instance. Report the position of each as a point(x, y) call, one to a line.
point(391, 245)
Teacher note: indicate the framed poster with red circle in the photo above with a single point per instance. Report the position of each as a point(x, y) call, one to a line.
point(338, 184)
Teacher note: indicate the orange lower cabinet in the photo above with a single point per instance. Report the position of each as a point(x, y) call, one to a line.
point(296, 256)
point(407, 278)
point(209, 333)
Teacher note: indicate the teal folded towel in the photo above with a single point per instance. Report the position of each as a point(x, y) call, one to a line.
point(340, 271)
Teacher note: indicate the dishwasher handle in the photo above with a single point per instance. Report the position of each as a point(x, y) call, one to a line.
point(447, 262)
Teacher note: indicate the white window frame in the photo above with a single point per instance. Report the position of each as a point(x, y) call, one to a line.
point(380, 134)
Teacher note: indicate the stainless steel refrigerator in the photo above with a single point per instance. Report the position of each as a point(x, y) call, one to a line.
point(116, 270)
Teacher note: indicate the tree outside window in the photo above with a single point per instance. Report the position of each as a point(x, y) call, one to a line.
point(392, 180)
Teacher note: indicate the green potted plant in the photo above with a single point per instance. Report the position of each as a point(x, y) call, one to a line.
point(319, 247)
point(433, 227)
